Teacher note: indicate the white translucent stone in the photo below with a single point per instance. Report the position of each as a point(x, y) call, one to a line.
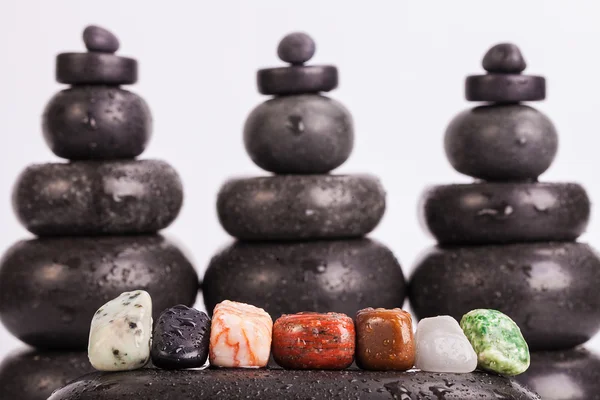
point(442, 346)
point(120, 333)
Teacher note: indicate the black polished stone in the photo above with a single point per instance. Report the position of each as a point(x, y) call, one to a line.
point(572, 374)
point(34, 375)
point(549, 289)
point(293, 207)
point(95, 68)
point(505, 88)
point(297, 79)
point(180, 339)
point(501, 142)
point(277, 384)
point(303, 134)
point(296, 48)
point(488, 213)
point(504, 58)
point(90, 197)
point(50, 288)
point(289, 277)
point(97, 122)
point(99, 39)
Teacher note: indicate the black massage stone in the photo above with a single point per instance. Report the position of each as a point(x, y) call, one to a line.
point(504, 58)
point(100, 40)
point(297, 79)
point(90, 197)
point(303, 134)
point(549, 289)
point(488, 213)
point(95, 68)
point(50, 288)
point(97, 122)
point(293, 207)
point(296, 48)
point(501, 142)
point(505, 88)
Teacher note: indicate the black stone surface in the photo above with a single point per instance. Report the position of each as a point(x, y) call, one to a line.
point(549, 289)
point(90, 197)
point(568, 374)
point(293, 207)
point(181, 337)
point(97, 122)
point(50, 288)
point(488, 213)
point(99, 39)
point(297, 79)
point(501, 142)
point(33, 375)
point(296, 48)
point(289, 277)
point(95, 68)
point(280, 384)
point(303, 134)
point(504, 58)
point(505, 88)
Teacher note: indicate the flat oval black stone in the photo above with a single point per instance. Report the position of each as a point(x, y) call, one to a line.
point(504, 58)
point(297, 79)
point(95, 69)
point(50, 288)
point(99, 39)
point(549, 289)
point(505, 88)
point(34, 375)
point(91, 198)
point(289, 277)
point(501, 142)
point(488, 213)
point(180, 339)
point(303, 134)
point(277, 384)
point(285, 207)
point(97, 123)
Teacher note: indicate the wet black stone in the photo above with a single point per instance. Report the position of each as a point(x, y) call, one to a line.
point(181, 337)
point(572, 374)
point(50, 288)
point(487, 213)
point(501, 142)
point(304, 134)
point(97, 122)
point(504, 58)
point(505, 88)
point(549, 289)
point(288, 277)
point(95, 68)
point(90, 197)
point(285, 207)
point(280, 384)
point(297, 79)
point(99, 39)
point(296, 48)
point(33, 375)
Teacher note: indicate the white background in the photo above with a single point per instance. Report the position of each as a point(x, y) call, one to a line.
point(402, 66)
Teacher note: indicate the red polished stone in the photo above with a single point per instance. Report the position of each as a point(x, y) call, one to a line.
point(313, 341)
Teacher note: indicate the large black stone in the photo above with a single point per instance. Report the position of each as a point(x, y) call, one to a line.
point(501, 142)
point(505, 88)
point(95, 69)
point(90, 197)
point(304, 134)
point(297, 79)
point(301, 206)
point(491, 213)
point(97, 122)
point(50, 288)
point(549, 289)
point(289, 277)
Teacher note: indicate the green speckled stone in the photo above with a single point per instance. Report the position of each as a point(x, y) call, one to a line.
point(497, 340)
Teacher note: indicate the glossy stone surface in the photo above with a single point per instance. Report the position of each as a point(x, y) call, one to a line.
point(489, 213)
point(50, 288)
point(33, 375)
point(293, 207)
point(309, 340)
point(95, 68)
point(384, 339)
point(89, 197)
point(303, 134)
point(96, 122)
point(296, 48)
point(297, 79)
point(181, 337)
point(281, 384)
point(548, 289)
point(504, 58)
point(289, 277)
point(100, 39)
point(505, 88)
point(501, 142)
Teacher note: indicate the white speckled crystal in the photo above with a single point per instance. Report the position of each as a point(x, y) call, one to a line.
point(442, 346)
point(120, 333)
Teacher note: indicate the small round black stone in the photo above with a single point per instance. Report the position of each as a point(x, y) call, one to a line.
point(100, 39)
point(95, 68)
point(296, 48)
point(285, 207)
point(548, 288)
point(504, 58)
point(505, 88)
point(297, 79)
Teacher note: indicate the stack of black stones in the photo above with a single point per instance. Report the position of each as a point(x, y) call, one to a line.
point(507, 242)
point(96, 218)
point(300, 232)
